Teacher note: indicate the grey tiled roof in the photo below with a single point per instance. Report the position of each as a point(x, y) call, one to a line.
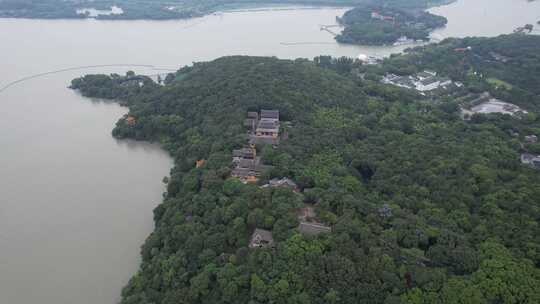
point(253, 115)
point(267, 124)
point(261, 238)
point(244, 153)
point(274, 114)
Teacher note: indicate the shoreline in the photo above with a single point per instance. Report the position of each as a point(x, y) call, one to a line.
point(239, 8)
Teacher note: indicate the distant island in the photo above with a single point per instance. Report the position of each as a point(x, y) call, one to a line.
point(377, 25)
point(162, 9)
point(315, 181)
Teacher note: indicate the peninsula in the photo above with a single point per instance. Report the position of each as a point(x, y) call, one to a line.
point(362, 192)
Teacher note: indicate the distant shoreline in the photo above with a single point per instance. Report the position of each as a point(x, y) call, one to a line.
point(159, 11)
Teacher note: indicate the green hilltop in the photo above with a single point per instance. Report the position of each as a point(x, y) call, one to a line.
point(423, 206)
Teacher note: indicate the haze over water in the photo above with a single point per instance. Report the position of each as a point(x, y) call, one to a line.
point(75, 204)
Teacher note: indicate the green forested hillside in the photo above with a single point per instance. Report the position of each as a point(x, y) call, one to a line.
point(424, 207)
point(379, 25)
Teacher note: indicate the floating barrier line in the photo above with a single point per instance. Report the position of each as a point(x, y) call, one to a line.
point(7, 86)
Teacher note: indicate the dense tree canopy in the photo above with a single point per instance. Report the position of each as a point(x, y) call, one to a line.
point(424, 206)
point(378, 25)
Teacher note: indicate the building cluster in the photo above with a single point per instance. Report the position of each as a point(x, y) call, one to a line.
point(247, 166)
point(263, 129)
point(526, 29)
point(378, 16)
point(308, 226)
point(423, 82)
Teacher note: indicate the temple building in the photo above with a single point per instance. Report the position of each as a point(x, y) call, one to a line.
point(244, 153)
point(247, 166)
point(263, 127)
point(251, 121)
point(268, 125)
point(261, 238)
point(283, 182)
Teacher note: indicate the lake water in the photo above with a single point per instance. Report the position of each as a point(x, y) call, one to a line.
point(75, 204)
point(486, 17)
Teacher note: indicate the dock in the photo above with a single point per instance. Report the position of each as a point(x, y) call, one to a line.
point(328, 28)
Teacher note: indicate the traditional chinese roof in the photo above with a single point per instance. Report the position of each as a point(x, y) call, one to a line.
point(248, 163)
point(242, 172)
point(261, 238)
point(272, 114)
point(268, 124)
point(253, 115)
point(282, 182)
point(248, 153)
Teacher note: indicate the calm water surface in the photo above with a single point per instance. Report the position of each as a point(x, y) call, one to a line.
point(486, 17)
point(75, 204)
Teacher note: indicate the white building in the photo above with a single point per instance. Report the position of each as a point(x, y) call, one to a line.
point(428, 84)
point(531, 160)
